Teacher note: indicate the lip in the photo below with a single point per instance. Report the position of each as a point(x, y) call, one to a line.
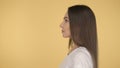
point(62, 31)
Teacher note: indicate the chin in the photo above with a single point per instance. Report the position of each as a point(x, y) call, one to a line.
point(66, 36)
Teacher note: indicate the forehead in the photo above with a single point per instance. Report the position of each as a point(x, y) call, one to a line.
point(66, 15)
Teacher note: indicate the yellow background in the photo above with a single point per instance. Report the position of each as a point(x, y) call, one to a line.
point(30, 36)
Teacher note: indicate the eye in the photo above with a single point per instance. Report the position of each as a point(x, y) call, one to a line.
point(66, 20)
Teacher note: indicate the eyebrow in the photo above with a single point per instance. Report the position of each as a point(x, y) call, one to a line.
point(65, 17)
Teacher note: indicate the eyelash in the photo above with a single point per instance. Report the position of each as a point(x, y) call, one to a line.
point(66, 21)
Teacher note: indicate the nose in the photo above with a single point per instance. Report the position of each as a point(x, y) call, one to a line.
point(61, 25)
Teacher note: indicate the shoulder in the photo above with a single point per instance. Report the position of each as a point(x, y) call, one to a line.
point(82, 58)
point(81, 53)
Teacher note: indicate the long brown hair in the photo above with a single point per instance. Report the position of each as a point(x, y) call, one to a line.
point(83, 29)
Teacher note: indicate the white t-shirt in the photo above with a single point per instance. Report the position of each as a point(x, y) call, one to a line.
point(78, 58)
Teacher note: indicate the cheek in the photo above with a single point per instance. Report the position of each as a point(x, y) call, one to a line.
point(67, 32)
point(68, 29)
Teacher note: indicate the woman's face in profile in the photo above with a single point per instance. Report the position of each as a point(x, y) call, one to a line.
point(65, 25)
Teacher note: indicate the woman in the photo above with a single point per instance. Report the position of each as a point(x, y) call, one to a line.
point(79, 26)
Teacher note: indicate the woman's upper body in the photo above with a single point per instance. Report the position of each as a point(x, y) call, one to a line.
point(78, 58)
point(79, 25)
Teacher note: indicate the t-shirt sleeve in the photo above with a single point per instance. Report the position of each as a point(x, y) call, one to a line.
point(82, 60)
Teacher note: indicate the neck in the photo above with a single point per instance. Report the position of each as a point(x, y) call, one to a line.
point(73, 47)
